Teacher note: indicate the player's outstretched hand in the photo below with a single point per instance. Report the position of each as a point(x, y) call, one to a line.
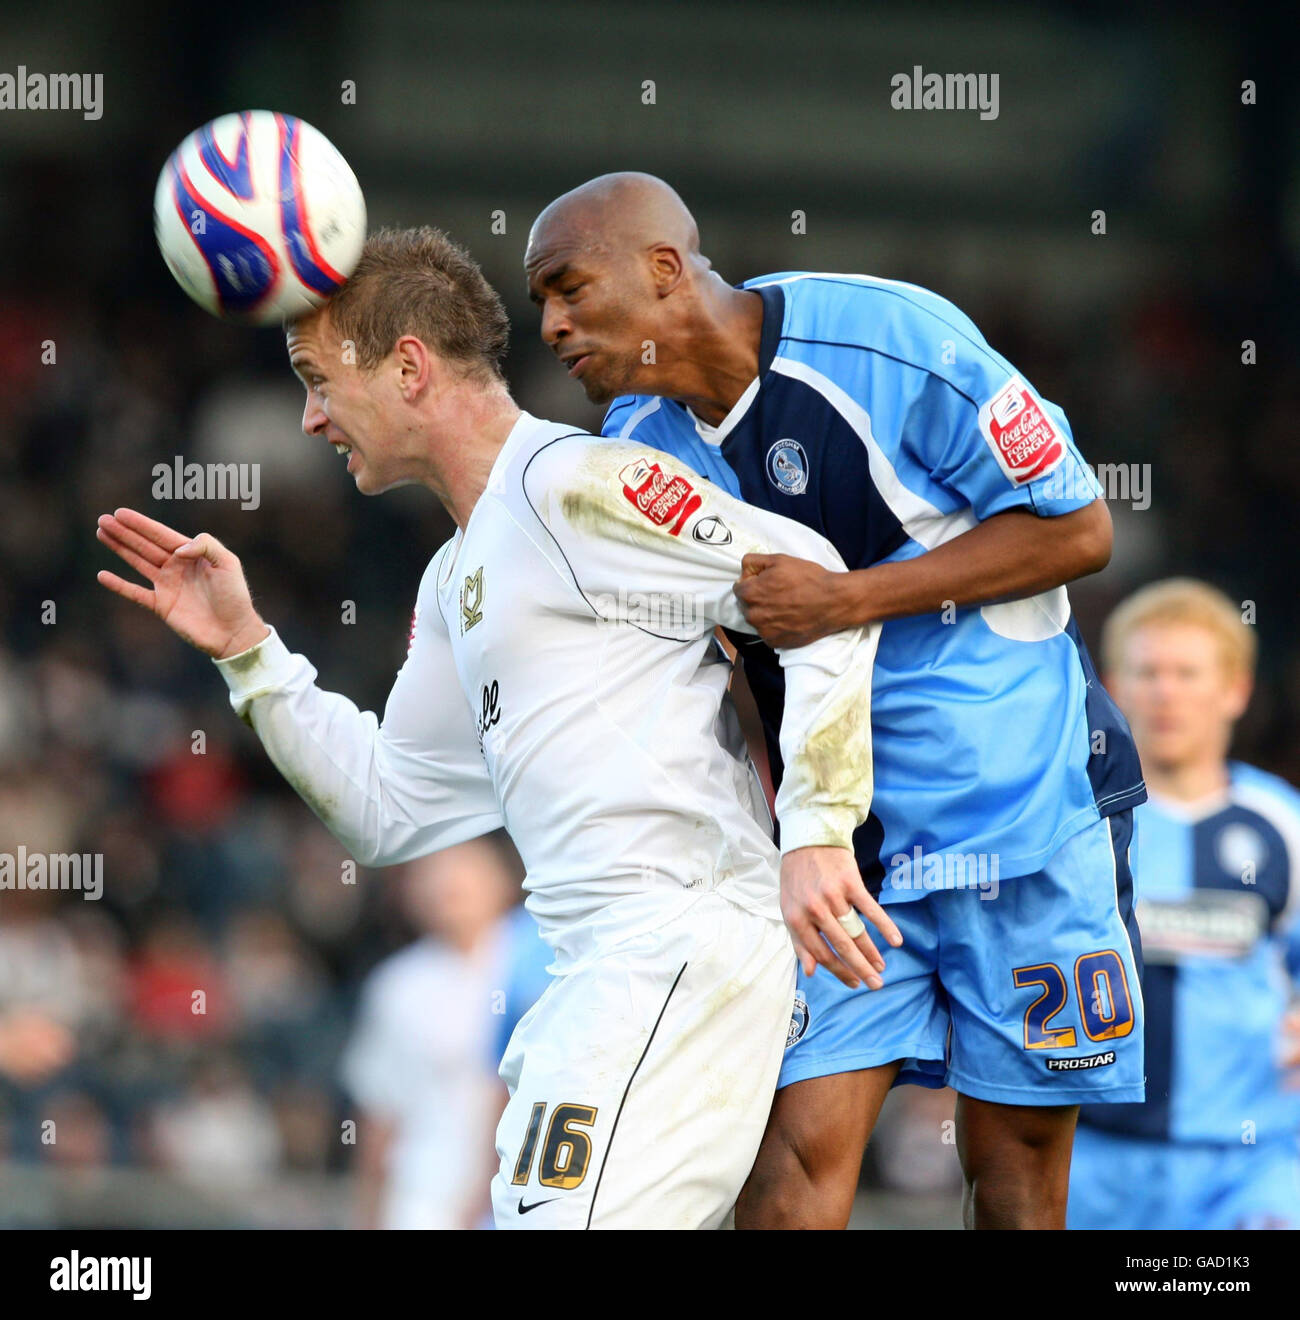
point(791, 602)
point(819, 885)
point(199, 590)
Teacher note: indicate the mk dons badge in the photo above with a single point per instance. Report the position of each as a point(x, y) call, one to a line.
point(471, 601)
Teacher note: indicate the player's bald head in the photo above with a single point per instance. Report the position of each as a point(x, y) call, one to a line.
point(618, 214)
point(615, 267)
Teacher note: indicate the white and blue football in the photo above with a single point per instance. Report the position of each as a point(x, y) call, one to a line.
point(259, 217)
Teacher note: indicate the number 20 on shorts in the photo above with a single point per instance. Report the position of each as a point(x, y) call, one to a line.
point(1105, 1005)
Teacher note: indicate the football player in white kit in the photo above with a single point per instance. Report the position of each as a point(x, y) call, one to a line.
point(563, 680)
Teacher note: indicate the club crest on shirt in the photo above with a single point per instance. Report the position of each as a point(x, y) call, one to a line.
point(471, 600)
point(667, 500)
point(1241, 851)
point(798, 1021)
point(787, 467)
point(1024, 439)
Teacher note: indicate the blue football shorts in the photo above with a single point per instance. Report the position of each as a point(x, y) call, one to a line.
point(1026, 992)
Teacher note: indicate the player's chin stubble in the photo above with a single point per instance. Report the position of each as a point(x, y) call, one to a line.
point(603, 388)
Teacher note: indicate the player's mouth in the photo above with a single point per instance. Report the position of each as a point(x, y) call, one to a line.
point(343, 449)
point(1164, 727)
point(577, 363)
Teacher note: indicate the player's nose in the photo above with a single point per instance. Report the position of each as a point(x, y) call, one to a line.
point(314, 420)
point(555, 324)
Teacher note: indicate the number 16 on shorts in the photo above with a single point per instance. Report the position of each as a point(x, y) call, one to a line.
point(566, 1152)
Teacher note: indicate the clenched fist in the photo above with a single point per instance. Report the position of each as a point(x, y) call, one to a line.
point(791, 602)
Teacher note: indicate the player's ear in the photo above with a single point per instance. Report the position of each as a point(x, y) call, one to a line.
point(666, 268)
point(1237, 697)
point(414, 365)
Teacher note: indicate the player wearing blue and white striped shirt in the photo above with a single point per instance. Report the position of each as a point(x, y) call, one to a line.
point(1215, 1144)
point(875, 413)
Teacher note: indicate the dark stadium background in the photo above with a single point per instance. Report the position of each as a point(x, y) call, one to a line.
point(212, 866)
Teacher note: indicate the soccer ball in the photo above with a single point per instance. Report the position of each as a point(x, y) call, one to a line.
point(258, 217)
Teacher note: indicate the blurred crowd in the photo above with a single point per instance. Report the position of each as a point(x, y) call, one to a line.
point(116, 740)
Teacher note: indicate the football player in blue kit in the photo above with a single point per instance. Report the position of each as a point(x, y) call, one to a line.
point(1215, 1144)
point(874, 412)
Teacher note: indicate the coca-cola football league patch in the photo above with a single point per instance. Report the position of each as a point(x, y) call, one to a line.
point(1024, 439)
point(668, 500)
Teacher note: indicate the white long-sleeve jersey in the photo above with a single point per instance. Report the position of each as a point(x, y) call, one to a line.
point(563, 680)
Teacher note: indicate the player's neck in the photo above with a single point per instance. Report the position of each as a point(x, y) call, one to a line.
point(1189, 781)
point(716, 359)
point(468, 439)
point(472, 942)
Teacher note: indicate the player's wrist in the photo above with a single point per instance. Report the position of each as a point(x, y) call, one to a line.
point(896, 590)
point(247, 636)
point(856, 602)
point(819, 828)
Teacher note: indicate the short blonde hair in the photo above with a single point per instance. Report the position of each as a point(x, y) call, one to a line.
point(418, 282)
point(1182, 601)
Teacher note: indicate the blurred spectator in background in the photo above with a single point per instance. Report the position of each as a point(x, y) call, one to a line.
point(422, 1062)
point(1216, 854)
point(220, 1133)
point(33, 1045)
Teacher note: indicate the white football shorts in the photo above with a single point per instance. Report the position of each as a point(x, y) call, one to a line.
point(641, 1082)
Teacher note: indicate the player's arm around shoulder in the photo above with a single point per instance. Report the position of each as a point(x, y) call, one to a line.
point(632, 515)
point(973, 444)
